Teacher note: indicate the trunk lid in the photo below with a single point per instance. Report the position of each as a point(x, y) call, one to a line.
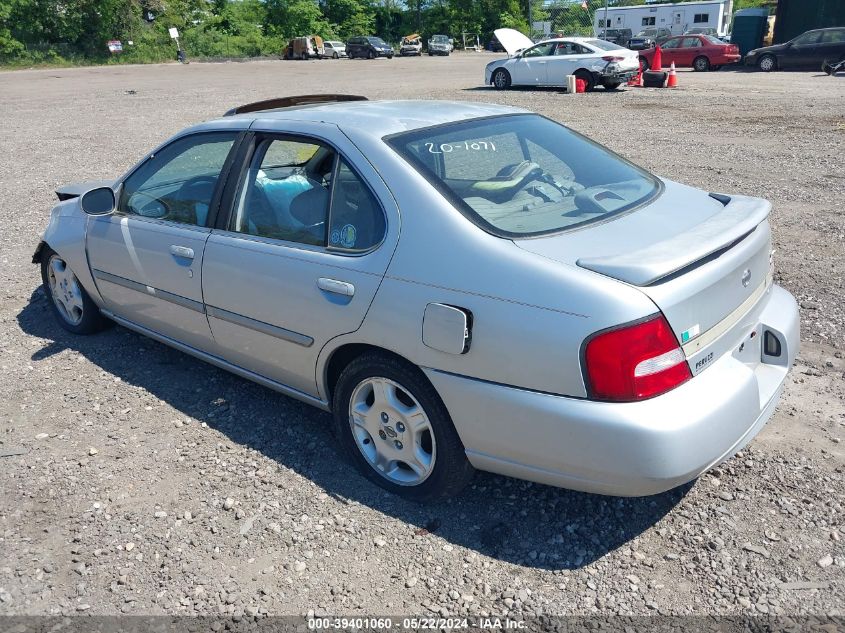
point(512, 40)
point(704, 260)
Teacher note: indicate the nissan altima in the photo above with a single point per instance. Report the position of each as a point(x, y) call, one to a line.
point(464, 286)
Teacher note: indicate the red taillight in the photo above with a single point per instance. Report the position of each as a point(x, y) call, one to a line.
point(635, 362)
point(611, 58)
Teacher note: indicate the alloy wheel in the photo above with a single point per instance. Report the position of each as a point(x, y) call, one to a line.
point(392, 431)
point(65, 290)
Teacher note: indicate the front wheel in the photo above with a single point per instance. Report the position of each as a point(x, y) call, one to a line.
point(501, 79)
point(701, 64)
point(767, 63)
point(392, 423)
point(371, 55)
point(71, 304)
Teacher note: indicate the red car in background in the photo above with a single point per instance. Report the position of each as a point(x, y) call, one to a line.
point(699, 52)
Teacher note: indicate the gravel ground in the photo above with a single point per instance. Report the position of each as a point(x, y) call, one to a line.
point(138, 480)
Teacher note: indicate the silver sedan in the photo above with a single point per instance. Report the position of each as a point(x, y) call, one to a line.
point(464, 286)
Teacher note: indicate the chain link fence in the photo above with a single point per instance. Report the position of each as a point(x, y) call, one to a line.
point(549, 18)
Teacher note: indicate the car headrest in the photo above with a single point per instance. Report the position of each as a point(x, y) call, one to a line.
point(310, 207)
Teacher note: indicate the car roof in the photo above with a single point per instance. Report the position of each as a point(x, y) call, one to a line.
point(377, 118)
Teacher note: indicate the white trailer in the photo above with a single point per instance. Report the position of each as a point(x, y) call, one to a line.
point(677, 17)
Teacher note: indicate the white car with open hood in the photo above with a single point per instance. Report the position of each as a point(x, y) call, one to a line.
point(597, 62)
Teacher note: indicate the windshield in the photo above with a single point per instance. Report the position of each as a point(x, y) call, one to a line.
point(377, 41)
point(524, 175)
point(646, 33)
point(439, 39)
point(603, 45)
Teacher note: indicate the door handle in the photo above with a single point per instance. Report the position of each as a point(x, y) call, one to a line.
point(182, 251)
point(336, 287)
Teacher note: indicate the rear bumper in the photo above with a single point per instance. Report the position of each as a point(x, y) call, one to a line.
point(627, 449)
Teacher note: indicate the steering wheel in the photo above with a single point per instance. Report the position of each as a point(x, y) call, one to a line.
point(187, 190)
point(147, 206)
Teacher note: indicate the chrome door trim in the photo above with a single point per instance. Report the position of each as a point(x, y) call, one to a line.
point(179, 300)
point(219, 362)
point(260, 326)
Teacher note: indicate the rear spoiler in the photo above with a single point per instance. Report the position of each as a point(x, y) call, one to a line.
point(76, 189)
point(719, 232)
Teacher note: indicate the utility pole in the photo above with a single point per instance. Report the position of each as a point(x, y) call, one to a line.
point(605, 17)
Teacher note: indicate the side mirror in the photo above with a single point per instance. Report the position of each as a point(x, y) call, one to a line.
point(99, 201)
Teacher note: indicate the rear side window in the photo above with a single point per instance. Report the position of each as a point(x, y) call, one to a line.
point(834, 37)
point(524, 175)
point(304, 192)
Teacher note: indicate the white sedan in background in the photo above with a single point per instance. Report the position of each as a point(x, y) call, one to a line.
point(597, 62)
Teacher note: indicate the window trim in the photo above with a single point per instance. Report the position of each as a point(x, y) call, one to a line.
point(475, 218)
point(252, 139)
point(219, 187)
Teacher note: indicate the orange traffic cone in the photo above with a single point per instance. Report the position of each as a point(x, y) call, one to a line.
point(637, 80)
point(657, 59)
point(673, 77)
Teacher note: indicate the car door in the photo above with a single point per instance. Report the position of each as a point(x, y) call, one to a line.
point(689, 49)
point(567, 58)
point(670, 52)
point(803, 51)
point(832, 46)
point(146, 257)
point(299, 258)
point(531, 67)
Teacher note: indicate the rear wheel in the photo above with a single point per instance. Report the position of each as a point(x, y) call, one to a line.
point(393, 424)
point(335, 56)
point(701, 64)
point(501, 79)
point(72, 306)
point(767, 63)
point(587, 77)
point(612, 85)
point(645, 65)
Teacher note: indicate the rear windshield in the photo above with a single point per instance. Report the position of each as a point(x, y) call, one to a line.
point(712, 39)
point(604, 45)
point(524, 175)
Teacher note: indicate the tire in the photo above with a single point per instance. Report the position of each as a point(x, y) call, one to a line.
point(701, 64)
point(588, 79)
point(438, 452)
point(430, 54)
point(501, 79)
point(613, 85)
point(767, 63)
point(371, 55)
point(335, 56)
point(59, 280)
point(646, 65)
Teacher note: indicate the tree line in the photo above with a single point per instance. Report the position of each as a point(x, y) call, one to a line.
point(77, 31)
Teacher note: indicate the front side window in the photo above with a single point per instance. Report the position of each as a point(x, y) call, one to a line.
point(303, 192)
point(524, 175)
point(807, 38)
point(177, 183)
point(673, 43)
point(541, 50)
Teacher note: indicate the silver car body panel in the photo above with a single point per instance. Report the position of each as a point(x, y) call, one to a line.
point(517, 396)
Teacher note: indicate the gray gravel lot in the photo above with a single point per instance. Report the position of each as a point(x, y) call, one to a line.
point(134, 479)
